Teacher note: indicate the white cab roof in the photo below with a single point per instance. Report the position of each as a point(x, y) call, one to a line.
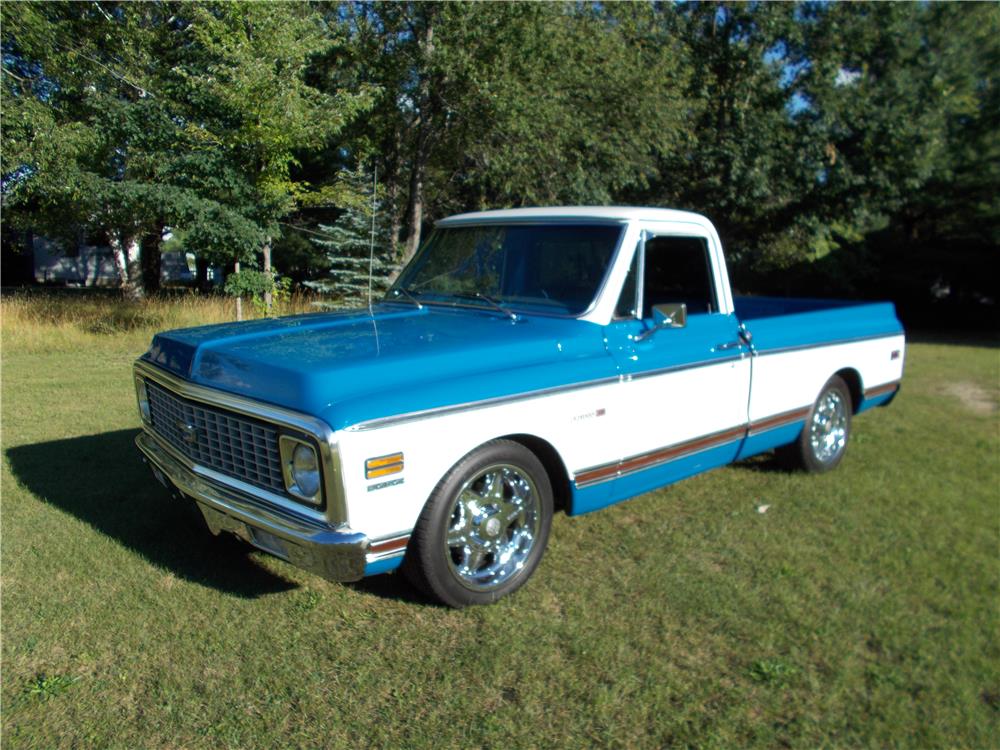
point(564, 213)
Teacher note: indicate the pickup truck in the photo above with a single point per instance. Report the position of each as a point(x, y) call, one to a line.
point(526, 361)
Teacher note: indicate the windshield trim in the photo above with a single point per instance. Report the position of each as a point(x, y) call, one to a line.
point(520, 309)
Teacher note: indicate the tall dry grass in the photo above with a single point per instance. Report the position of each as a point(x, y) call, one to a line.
point(45, 321)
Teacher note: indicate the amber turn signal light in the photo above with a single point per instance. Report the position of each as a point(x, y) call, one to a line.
point(383, 465)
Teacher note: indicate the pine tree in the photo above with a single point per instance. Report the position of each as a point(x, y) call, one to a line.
point(349, 250)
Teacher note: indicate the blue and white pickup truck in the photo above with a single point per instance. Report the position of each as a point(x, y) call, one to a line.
point(525, 361)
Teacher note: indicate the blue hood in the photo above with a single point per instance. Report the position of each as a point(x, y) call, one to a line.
point(350, 367)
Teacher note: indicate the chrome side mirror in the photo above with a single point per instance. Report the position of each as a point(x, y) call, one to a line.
point(668, 315)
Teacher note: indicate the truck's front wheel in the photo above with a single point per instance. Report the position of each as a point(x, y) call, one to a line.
point(484, 529)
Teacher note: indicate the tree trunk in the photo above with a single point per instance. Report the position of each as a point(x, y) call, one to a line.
point(421, 151)
point(395, 222)
point(268, 300)
point(414, 210)
point(127, 254)
point(151, 261)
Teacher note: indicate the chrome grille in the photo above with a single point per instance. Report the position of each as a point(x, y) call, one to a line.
point(220, 440)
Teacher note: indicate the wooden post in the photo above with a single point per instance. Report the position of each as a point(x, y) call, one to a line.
point(239, 300)
point(267, 272)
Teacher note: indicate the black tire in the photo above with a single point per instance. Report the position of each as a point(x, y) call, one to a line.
point(823, 441)
point(484, 528)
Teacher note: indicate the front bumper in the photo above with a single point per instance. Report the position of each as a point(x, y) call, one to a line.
point(336, 553)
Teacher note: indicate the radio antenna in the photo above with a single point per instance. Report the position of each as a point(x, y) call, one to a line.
point(371, 252)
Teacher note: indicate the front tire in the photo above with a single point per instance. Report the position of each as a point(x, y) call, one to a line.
point(823, 442)
point(484, 529)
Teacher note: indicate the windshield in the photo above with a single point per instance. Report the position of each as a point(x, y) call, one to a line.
point(556, 268)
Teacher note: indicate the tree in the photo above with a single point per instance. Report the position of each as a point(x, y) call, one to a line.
point(247, 92)
point(124, 118)
point(356, 248)
point(90, 136)
point(511, 104)
point(742, 159)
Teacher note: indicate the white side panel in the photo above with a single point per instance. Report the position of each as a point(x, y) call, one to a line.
point(570, 421)
point(656, 411)
point(790, 380)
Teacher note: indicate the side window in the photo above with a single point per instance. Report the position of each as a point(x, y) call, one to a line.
point(678, 269)
point(626, 300)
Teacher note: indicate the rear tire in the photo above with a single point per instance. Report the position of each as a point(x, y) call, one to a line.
point(484, 529)
point(823, 441)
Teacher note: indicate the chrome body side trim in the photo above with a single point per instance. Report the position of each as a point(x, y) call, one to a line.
point(659, 456)
point(374, 424)
point(335, 552)
point(801, 347)
point(686, 366)
point(778, 420)
point(386, 548)
point(878, 390)
point(336, 506)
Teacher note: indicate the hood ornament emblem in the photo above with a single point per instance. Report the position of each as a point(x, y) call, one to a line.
point(189, 433)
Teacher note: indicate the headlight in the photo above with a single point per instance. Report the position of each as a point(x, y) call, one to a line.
point(305, 470)
point(301, 469)
point(140, 394)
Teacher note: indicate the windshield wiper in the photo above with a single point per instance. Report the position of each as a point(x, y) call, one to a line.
point(402, 291)
point(486, 298)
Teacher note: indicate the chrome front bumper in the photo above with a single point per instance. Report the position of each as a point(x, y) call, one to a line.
point(337, 554)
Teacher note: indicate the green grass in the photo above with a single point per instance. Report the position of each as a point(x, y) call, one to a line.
point(861, 610)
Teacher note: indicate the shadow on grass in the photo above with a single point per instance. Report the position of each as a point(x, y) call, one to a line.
point(393, 586)
point(100, 479)
point(765, 463)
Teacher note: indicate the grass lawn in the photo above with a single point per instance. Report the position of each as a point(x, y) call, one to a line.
point(861, 610)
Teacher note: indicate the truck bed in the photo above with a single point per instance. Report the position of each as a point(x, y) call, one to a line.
point(785, 323)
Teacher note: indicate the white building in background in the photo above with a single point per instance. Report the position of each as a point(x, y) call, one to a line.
point(93, 265)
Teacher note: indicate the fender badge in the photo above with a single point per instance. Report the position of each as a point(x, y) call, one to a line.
point(383, 485)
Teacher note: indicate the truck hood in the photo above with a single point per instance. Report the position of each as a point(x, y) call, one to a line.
point(350, 367)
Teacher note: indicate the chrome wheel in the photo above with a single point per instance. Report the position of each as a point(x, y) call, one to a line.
point(494, 524)
point(829, 426)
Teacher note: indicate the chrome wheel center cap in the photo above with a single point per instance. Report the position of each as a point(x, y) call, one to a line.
point(492, 527)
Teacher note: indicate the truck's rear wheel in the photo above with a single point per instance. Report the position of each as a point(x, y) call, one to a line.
point(823, 441)
point(484, 529)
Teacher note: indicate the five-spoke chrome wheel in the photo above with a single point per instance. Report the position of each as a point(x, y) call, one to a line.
point(484, 529)
point(494, 524)
point(823, 441)
point(828, 426)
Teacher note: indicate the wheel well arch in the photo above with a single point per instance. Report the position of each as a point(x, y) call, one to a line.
point(853, 380)
point(554, 467)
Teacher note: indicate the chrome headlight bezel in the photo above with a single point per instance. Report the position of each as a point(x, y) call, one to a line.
point(142, 398)
point(297, 485)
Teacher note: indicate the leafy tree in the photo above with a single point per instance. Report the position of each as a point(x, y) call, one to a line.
point(512, 104)
point(742, 159)
point(125, 118)
point(89, 136)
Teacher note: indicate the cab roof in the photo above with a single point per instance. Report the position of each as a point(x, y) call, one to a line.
point(603, 214)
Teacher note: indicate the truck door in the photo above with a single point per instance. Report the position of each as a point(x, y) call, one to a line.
point(682, 404)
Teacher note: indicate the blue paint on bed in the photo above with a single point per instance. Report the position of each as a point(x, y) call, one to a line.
point(769, 439)
point(882, 399)
point(778, 323)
